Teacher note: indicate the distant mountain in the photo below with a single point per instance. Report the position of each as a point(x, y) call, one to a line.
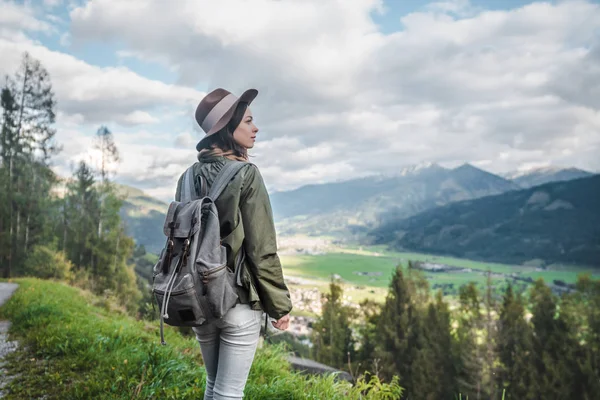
point(355, 206)
point(554, 222)
point(345, 209)
point(539, 176)
point(144, 217)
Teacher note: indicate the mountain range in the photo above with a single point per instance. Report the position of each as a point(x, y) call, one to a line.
point(539, 176)
point(356, 208)
point(550, 223)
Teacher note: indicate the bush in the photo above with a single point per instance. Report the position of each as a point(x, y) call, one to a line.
point(46, 263)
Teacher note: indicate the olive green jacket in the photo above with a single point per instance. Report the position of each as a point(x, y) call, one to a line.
point(246, 219)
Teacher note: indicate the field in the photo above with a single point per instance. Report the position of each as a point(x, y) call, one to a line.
point(371, 268)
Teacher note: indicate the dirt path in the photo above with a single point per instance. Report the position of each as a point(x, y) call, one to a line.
point(6, 346)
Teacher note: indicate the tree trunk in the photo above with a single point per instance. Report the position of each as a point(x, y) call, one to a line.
point(116, 252)
point(2, 265)
point(29, 207)
point(64, 241)
point(27, 221)
point(11, 207)
point(14, 228)
point(15, 246)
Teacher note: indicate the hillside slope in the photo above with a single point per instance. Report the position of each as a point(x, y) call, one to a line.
point(79, 346)
point(555, 222)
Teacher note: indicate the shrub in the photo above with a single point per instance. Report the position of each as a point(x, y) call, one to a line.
point(46, 263)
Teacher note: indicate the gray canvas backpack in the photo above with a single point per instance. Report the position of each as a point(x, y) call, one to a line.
point(192, 284)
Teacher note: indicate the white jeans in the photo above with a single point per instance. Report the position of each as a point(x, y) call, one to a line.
point(228, 346)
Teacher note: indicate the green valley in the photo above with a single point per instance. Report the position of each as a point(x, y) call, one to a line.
point(371, 267)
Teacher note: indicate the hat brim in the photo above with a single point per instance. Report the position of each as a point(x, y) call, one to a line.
point(247, 97)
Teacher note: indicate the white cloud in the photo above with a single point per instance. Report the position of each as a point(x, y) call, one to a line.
point(99, 95)
point(340, 99)
point(19, 17)
point(16, 18)
point(144, 163)
point(454, 83)
point(139, 117)
point(186, 140)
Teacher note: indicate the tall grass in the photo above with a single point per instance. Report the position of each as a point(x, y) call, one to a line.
point(75, 346)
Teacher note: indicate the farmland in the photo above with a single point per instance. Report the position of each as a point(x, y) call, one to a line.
point(368, 269)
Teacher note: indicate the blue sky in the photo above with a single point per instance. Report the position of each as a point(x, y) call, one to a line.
point(345, 90)
point(389, 20)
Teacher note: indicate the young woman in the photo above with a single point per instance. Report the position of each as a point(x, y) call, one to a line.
point(228, 345)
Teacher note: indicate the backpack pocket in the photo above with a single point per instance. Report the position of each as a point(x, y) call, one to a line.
point(219, 290)
point(183, 307)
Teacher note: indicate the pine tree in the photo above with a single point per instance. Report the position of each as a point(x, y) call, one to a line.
point(334, 342)
point(370, 312)
point(27, 146)
point(468, 353)
point(80, 208)
point(555, 349)
point(433, 370)
point(9, 148)
point(490, 328)
point(104, 142)
point(398, 329)
point(514, 347)
point(109, 153)
point(586, 304)
point(100, 258)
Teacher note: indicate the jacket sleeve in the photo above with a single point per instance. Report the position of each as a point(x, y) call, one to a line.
point(260, 244)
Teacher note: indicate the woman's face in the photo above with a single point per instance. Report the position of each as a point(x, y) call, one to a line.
point(245, 133)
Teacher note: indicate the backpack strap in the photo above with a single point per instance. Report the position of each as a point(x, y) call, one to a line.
point(224, 177)
point(220, 183)
point(203, 186)
point(188, 189)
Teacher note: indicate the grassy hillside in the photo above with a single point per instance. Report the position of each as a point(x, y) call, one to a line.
point(77, 346)
point(553, 223)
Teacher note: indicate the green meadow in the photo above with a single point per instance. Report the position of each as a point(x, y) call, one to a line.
point(348, 262)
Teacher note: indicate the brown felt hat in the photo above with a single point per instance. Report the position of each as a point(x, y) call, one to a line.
point(216, 109)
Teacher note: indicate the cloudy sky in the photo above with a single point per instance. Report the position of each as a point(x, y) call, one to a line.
point(347, 88)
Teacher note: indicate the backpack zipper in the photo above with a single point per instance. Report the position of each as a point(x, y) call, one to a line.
point(206, 274)
point(158, 291)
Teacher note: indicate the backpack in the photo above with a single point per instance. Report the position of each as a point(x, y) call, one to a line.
point(192, 283)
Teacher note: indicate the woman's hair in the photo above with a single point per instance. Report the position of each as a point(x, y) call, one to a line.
point(223, 140)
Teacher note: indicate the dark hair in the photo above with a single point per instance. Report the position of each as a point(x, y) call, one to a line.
point(223, 139)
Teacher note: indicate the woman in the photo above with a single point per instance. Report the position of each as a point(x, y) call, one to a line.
point(247, 230)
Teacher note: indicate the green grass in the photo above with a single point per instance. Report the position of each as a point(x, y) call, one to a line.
point(75, 346)
point(342, 264)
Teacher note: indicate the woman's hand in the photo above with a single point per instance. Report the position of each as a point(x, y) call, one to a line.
point(282, 323)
